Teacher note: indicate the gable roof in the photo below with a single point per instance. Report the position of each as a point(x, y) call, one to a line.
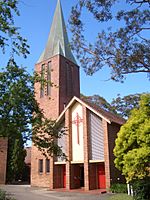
point(58, 43)
point(106, 115)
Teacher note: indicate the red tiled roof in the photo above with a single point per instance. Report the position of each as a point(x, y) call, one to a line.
point(110, 116)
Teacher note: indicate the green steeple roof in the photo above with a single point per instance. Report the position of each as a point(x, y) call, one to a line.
point(58, 42)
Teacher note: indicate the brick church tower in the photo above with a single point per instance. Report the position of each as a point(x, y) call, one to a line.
point(57, 64)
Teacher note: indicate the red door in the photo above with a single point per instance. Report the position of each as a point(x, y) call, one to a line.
point(64, 176)
point(101, 177)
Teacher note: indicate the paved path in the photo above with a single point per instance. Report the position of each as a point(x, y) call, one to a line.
point(25, 192)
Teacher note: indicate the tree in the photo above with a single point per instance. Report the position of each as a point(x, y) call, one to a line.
point(132, 148)
point(18, 111)
point(9, 33)
point(121, 105)
point(17, 101)
point(16, 107)
point(16, 157)
point(124, 50)
point(98, 100)
point(124, 105)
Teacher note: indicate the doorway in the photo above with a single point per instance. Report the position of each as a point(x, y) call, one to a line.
point(101, 176)
point(81, 176)
point(78, 176)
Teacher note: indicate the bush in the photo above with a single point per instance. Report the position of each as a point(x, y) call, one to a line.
point(5, 196)
point(118, 188)
point(141, 189)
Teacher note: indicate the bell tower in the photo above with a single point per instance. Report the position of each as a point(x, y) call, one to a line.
point(58, 66)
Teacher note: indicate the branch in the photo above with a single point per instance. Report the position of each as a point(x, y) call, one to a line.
point(141, 1)
point(142, 38)
point(134, 71)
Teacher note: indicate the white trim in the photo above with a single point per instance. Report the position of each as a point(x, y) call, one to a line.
point(77, 162)
point(83, 103)
point(59, 163)
point(96, 161)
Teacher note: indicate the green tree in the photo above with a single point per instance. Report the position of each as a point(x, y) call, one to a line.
point(124, 105)
point(9, 32)
point(97, 100)
point(121, 105)
point(124, 50)
point(132, 148)
point(18, 111)
point(16, 155)
point(18, 107)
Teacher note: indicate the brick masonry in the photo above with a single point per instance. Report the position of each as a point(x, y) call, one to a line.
point(3, 159)
point(65, 88)
point(61, 93)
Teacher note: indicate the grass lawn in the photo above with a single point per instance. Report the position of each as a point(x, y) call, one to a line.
point(120, 197)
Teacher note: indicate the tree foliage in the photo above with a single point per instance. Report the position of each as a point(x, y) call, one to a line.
point(132, 148)
point(16, 157)
point(9, 32)
point(17, 102)
point(124, 105)
point(121, 105)
point(21, 118)
point(98, 100)
point(45, 135)
point(124, 50)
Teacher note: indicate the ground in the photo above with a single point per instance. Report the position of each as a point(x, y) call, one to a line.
point(24, 192)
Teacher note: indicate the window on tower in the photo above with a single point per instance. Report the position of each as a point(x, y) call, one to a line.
point(69, 85)
point(49, 79)
point(42, 81)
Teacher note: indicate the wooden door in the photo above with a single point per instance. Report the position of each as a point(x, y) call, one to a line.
point(101, 177)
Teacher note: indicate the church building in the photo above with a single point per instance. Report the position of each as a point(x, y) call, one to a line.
point(91, 131)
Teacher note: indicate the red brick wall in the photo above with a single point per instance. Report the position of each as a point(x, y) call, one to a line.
point(37, 179)
point(3, 160)
point(52, 106)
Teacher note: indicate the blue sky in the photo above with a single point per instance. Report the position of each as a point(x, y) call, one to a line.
point(35, 20)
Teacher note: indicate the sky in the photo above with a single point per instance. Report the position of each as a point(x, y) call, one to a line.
point(35, 21)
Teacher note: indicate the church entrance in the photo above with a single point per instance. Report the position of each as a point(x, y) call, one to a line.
point(78, 176)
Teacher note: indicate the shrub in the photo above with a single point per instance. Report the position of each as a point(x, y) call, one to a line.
point(5, 196)
point(118, 188)
point(141, 189)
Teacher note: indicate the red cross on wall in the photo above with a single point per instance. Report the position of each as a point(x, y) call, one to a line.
point(77, 120)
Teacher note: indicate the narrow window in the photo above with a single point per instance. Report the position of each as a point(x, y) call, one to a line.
point(49, 79)
point(47, 165)
point(40, 165)
point(42, 81)
point(69, 80)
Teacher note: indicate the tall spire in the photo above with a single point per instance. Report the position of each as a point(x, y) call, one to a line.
point(58, 42)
